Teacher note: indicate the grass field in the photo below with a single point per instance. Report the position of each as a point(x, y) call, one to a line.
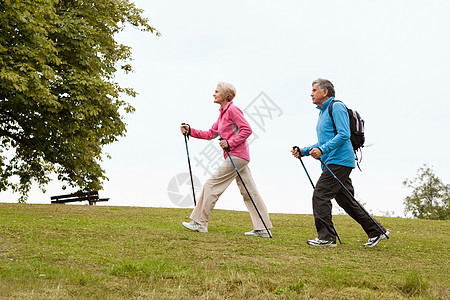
point(103, 252)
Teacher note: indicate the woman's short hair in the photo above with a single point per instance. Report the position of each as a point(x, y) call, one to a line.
point(227, 89)
point(325, 84)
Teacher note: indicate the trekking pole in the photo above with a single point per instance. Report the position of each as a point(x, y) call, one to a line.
point(373, 220)
point(227, 149)
point(189, 162)
point(300, 157)
point(310, 180)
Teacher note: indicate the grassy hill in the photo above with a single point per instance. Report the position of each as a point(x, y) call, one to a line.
point(95, 252)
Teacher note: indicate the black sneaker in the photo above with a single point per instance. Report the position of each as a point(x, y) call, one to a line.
point(322, 243)
point(375, 240)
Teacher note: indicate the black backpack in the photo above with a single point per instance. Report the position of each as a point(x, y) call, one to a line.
point(356, 129)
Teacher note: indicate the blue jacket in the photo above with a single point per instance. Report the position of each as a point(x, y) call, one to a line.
point(336, 149)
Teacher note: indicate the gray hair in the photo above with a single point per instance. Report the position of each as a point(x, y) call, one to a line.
point(227, 89)
point(325, 84)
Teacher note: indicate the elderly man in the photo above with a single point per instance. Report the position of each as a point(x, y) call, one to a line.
point(337, 153)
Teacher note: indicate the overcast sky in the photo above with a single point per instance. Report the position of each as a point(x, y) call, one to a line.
point(387, 59)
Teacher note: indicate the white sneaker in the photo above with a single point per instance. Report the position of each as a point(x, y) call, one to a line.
point(259, 233)
point(194, 226)
point(375, 240)
point(321, 243)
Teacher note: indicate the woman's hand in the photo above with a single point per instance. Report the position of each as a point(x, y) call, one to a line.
point(184, 129)
point(223, 144)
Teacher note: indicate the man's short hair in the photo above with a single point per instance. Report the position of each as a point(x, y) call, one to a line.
point(227, 89)
point(325, 84)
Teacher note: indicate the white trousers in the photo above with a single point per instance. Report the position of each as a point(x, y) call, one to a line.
point(217, 184)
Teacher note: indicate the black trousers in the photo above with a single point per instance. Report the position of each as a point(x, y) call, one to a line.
point(327, 188)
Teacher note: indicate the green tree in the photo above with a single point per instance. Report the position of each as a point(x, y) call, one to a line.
point(59, 103)
point(430, 198)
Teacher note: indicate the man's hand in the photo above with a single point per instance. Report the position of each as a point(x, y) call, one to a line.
point(296, 153)
point(223, 144)
point(315, 152)
point(184, 129)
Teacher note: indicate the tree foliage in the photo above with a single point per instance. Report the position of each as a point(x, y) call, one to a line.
point(430, 198)
point(59, 103)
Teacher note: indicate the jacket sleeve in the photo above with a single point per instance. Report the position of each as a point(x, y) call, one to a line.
point(305, 150)
point(237, 117)
point(206, 135)
point(341, 120)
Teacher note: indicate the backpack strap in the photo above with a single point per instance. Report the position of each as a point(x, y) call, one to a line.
point(330, 112)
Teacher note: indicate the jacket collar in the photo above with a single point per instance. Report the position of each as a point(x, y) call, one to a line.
point(222, 110)
point(325, 104)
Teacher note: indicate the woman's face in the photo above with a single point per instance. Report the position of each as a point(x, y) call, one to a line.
point(219, 98)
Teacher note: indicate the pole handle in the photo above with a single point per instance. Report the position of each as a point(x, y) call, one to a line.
point(227, 148)
point(299, 151)
point(187, 134)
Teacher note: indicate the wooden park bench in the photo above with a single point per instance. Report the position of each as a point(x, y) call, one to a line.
point(91, 197)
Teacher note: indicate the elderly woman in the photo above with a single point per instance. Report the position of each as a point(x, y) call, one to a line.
point(235, 130)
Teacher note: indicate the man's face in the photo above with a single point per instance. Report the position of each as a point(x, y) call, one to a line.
point(318, 96)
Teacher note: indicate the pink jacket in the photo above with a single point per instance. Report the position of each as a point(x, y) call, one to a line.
point(232, 126)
